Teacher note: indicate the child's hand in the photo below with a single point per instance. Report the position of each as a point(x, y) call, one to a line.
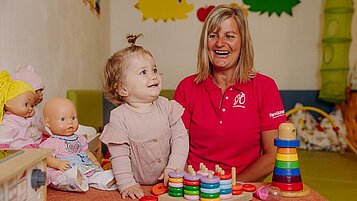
point(134, 192)
point(165, 175)
point(63, 165)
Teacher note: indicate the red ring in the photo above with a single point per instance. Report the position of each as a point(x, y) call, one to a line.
point(191, 183)
point(288, 186)
point(249, 187)
point(237, 192)
point(149, 198)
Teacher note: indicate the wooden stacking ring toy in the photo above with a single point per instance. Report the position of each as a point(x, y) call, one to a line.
point(226, 181)
point(205, 185)
point(159, 189)
point(149, 198)
point(177, 174)
point(286, 179)
point(192, 177)
point(286, 143)
point(191, 197)
point(286, 164)
point(238, 186)
point(284, 150)
point(209, 180)
point(210, 190)
point(176, 185)
point(287, 157)
point(225, 196)
point(176, 180)
point(191, 183)
point(249, 187)
point(175, 190)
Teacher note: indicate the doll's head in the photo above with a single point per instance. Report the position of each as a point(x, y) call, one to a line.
point(28, 75)
point(60, 116)
point(131, 75)
point(16, 97)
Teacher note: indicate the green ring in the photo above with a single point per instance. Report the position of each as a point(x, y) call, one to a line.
point(175, 190)
point(286, 164)
point(192, 188)
point(174, 194)
point(188, 192)
point(209, 195)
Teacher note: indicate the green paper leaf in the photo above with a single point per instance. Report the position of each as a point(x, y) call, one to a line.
point(272, 6)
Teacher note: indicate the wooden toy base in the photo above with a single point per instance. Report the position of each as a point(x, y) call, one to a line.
point(291, 194)
point(245, 196)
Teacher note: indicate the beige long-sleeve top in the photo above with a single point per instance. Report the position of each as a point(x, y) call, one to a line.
point(142, 145)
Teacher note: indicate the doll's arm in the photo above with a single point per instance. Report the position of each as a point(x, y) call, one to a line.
point(93, 158)
point(55, 163)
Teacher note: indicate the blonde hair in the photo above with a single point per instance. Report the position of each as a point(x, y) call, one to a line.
point(244, 70)
point(115, 66)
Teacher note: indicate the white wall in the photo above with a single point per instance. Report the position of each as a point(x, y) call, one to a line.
point(286, 48)
point(68, 45)
point(65, 42)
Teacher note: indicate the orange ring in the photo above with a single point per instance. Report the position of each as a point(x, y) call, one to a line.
point(286, 150)
point(224, 176)
point(237, 187)
point(159, 189)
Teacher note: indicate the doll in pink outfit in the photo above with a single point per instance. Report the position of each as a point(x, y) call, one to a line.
point(28, 75)
point(145, 134)
point(17, 100)
point(71, 167)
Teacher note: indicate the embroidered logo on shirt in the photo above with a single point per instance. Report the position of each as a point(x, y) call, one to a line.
point(239, 100)
point(277, 114)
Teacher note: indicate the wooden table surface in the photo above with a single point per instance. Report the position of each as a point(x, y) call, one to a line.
point(94, 194)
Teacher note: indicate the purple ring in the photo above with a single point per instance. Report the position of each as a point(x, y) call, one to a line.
point(208, 180)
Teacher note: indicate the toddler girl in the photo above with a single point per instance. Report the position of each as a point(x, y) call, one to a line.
point(145, 134)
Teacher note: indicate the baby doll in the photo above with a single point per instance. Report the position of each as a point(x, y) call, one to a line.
point(28, 75)
point(72, 167)
point(16, 101)
point(145, 134)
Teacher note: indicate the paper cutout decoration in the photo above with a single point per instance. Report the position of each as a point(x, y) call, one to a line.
point(272, 6)
point(94, 6)
point(164, 9)
point(203, 12)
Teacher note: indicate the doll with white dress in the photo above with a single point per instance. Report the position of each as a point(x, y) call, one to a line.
point(17, 100)
point(71, 167)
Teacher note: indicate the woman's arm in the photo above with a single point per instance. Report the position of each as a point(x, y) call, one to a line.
point(264, 166)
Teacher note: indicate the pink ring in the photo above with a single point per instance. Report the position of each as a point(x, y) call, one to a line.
point(208, 180)
point(225, 196)
point(191, 197)
point(176, 185)
point(175, 174)
point(192, 177)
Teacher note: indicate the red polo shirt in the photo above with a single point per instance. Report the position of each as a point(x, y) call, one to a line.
point(225, 130)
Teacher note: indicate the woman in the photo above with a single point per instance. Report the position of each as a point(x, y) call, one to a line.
point(232, 113)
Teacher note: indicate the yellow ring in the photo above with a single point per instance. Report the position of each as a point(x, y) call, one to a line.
point(210, 199)
point(286, 157)
point(176, 180)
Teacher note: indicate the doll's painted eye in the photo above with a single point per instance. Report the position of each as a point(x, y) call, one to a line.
point(62, 119)
point(73, 118)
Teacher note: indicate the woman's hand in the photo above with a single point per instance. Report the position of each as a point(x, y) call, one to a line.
point(134, 192)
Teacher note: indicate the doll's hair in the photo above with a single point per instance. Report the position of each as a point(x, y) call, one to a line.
point(28, 75)
point(9, 89)
point(115, 66)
